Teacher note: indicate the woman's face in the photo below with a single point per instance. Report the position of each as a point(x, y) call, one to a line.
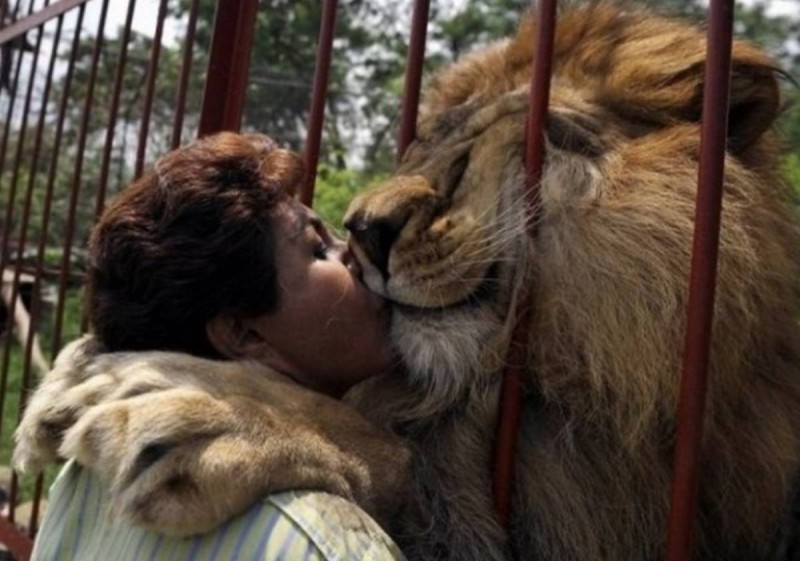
point(329, 331)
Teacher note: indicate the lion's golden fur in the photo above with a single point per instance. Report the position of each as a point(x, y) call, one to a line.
point(609, 270)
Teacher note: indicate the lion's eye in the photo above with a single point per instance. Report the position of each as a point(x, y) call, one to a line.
point(456, 173)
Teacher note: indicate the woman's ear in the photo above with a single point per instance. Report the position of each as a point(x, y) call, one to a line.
point(232, 338)
point(238, 338)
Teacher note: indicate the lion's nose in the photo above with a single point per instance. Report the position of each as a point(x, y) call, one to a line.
point(375, 236)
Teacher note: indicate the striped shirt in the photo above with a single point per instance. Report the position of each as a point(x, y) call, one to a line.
point(290, 526)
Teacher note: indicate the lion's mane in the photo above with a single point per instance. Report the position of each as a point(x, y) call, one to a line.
point(609, 272)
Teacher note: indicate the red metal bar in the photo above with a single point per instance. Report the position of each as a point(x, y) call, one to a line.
point(33, 523)
point(229, 62)
point(4, 256)
point(114, 110)
point(6, 132)
point(35, 20)
point(318, 97)
point(702, 283)
point(25, 383)
point(152, 73)
point(12, 195)
point(14, 540)
point(69, 231)
point(45, 227)
point(413, 82)
point(32, 175)
point(510, 398)
point(186, 70)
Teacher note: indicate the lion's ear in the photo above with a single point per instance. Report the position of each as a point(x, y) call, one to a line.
point(662, 81)
point(754, 102)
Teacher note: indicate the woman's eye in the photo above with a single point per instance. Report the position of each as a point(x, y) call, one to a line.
point(321, 251)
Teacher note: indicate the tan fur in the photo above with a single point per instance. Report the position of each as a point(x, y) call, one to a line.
point(162, 427)
point(609, 274)
point(608, 270)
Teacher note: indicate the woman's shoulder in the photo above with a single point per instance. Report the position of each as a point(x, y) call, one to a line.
point(338, 527)
point(290, 525)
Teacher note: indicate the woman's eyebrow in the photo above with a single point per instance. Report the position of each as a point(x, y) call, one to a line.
point(315, 221)
point(300, 221)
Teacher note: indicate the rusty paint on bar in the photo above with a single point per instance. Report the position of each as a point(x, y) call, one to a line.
point(229, 63)
point(152, 73)
point(511, 393)
point(114, 110)
point(413, 81)
point(186, 69)
point(69, 232)
point(35, 20)
point(318, 97)
point(702, 282)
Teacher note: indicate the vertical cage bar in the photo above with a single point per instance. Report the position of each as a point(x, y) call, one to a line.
point(186, 72)
point(413, 81)
point(69, 231)
point(511, 393)
point(45, 227)
point(228, 65)
point(23, 240)
point(152, 74)
point(4, 256)
point(26, 108)
point(56, 149)
point(32, 175)
point(12, 195)
point(13, 491)
point(114, 110)
point(318, 97)
point(702, 283)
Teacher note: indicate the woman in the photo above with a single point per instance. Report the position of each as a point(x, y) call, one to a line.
point(209, 254)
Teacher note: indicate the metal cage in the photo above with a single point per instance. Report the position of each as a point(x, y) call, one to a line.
point(25, 50)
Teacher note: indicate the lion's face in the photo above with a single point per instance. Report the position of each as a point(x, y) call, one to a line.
point(445, 239)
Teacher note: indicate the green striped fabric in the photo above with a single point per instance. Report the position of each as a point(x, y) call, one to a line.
point(296, 525)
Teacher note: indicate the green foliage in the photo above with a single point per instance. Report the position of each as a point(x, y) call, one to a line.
point(335, 189)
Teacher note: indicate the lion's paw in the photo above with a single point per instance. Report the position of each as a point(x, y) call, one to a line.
point(170, 458)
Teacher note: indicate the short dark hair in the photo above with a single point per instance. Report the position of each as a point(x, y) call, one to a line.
point(191, 239)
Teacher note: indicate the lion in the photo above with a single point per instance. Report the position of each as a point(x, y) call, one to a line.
point(445, 239)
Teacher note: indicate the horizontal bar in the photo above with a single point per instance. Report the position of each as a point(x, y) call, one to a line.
point(35, 20)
